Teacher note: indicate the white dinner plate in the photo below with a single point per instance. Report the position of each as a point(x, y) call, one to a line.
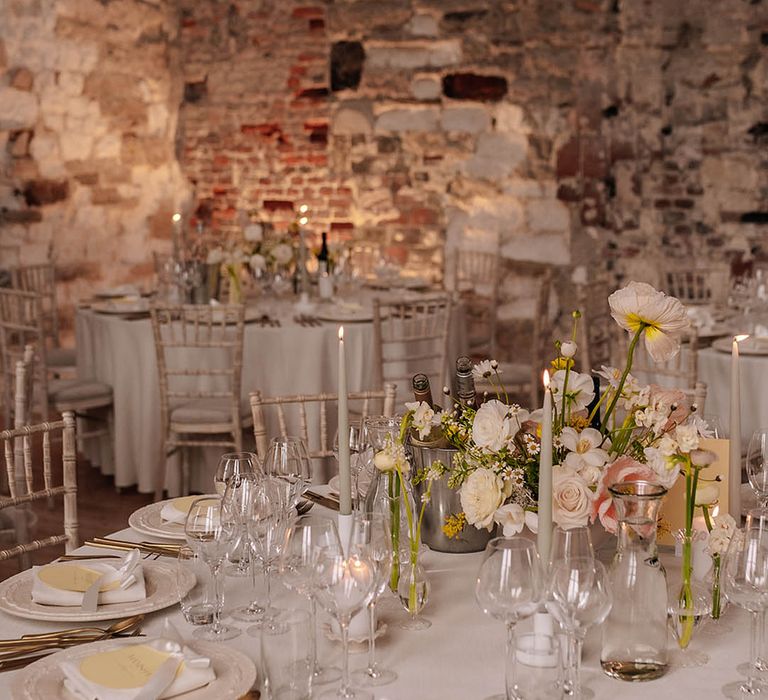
point(159, 577)
point(127, 290)
point(235, 672)
point(147, 521)
point(749, 346)
point(346, 314)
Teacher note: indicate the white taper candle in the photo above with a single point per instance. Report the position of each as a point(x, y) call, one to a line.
point(345, 477)
point(544, 537)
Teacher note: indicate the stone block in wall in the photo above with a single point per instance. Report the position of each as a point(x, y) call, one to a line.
point(40, 192)
point(411, 55)
point(18, 108)
point(3, 55)
point(426, 88)
point(547, 215)
point(422, 25)
point(470, 119)
point(22, 79)
point(353, 118)
point(496, 155)
point(425, 119)
point(76, 145)
point(547, 248)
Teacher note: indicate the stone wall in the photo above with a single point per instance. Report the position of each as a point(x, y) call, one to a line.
point(89, 95)
point(589, 134)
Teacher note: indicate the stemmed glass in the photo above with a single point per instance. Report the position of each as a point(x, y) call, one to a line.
point(268, 516)
point(745, 574)
point(210, 531)
point(345, 585)
point(287, 458)
point(509, 588)
point(237, 498)
point(371, 531)
point(579, 588)
point(570, 543)
point(305, 539)
point(356, 456)
point(233, 465)
point(757, 465)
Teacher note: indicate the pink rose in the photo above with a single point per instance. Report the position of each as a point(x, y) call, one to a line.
point(622, 470)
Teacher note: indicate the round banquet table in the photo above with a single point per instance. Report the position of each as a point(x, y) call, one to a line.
point(460, 657)
point(284, 359)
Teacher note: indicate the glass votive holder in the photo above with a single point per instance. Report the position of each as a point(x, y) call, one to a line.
point(536, 672)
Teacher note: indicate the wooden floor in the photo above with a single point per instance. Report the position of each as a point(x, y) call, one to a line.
point(100, 510)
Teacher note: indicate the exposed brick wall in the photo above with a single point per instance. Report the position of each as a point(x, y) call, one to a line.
point(584, 133)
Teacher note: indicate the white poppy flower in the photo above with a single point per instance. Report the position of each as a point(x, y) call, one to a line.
point(707, 493)
point(664, 318)
point(579, 392)
point(584, 448)
point(257, 262)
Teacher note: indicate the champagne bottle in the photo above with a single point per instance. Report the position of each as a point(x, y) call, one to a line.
point(465, 382)
point(322, 256)
point(421, 389)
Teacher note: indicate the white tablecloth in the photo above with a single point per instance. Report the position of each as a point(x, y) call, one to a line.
point(289, 359)
point(460, 657)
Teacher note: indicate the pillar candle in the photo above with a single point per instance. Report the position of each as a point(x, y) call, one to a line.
point(345, 477)
point(734, 466)
point(544, 536)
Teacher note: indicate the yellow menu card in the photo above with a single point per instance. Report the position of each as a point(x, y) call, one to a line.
point(673, 509)
point(68, 577)
point(123, 669)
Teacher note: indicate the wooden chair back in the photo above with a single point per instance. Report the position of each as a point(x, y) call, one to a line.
point(297, 422)
point(199, 352)
point(596, 327)
point(411, 336)
point(700, 285)
point(36, 441)
point(21, 326)
point(41, 279)
point(476, 285)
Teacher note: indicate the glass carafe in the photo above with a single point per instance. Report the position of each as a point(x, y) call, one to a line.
point(635, 631)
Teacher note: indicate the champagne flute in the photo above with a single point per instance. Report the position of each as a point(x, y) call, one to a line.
point(287, 459)
point(233, 465)
point(581, 598)
point(356, 452)
point(509, 588)
point(305, 539)
point(745, 573)
point(345, 585)
point(371, 532)
point(237, 497)
point(210, 531)
point(757, 465)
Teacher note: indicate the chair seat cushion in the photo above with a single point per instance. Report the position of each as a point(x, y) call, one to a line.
point(60, 357)
point(203, 411)
point(64, 391)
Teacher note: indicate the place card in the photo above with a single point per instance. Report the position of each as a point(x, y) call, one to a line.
point(673, 509)
point(124, 669)
point(68, 577)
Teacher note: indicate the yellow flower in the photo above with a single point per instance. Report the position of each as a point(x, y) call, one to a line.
point(662, 318)
point(454, 524)
point(562, 363)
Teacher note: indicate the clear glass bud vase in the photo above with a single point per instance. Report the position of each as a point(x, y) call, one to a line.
point(635, 631)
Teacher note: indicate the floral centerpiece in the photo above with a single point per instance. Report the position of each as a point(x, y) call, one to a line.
point(629, 432)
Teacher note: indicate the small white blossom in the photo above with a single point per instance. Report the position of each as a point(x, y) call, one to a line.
point(568, 348)
point(483, 370)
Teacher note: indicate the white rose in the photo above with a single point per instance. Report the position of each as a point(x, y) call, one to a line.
point(481, 495)
point(252, 233)
point(571, 498)
point(492, 429)
point(282, 254)
point(257, 262)
point(687, 437)
point(423, 417)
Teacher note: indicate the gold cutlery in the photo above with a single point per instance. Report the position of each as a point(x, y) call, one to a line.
point(321, 500)
point(168, 550)
point(123, 625)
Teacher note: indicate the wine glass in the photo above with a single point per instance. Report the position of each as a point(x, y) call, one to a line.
point(371, 531)
point(745, 574)
point(196, 603)
point(356, 456)
point(757, 465)
point(231, 466)
point(344, 586)
point(210, 531)
point(287, 458)
point(581, 598)
point(268, 517)
point(570, 543)
point(509, 588)
point(237, 497)
point(305, 539)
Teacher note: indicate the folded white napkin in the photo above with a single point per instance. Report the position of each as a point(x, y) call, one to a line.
point(148, 670)
point(176, 510)
point(65, 583)
point(701, 317)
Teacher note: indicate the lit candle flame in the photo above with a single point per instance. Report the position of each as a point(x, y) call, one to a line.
point(546, 379)
point(303, 209)
point(303, 221)
point(341, 333)
point(176, 218)
point(739, 338)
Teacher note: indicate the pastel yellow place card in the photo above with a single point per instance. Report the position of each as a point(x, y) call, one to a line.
point(184, 504)
point(673, 510)
point(67, 577)
point(123, 669)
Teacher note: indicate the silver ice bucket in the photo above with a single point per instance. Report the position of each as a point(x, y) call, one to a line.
point(443, 502)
